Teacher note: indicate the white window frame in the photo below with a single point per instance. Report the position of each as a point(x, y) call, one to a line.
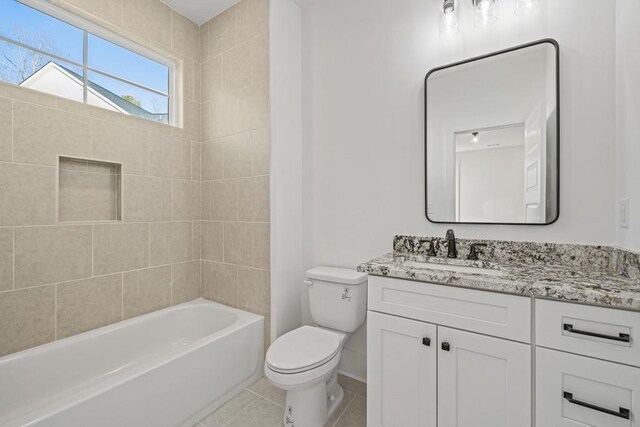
point(89, 27)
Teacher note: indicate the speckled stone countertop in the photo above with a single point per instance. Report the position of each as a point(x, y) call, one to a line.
point(598, 275)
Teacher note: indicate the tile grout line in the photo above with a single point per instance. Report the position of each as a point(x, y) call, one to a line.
point(13, 261)
point(344, 410)
point(243, 410)
point(265, 398)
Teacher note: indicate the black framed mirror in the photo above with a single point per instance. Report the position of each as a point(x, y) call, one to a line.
point(492, 138)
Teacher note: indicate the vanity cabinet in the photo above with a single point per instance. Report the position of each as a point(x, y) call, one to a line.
point(424, 371)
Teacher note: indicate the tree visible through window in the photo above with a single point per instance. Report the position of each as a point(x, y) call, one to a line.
point(44, 53)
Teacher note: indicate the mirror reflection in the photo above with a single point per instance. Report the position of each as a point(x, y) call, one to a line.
point(492, 138)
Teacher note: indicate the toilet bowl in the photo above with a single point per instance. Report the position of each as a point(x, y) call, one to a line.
point(304, 362)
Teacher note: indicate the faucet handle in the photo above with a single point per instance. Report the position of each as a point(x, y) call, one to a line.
point(473, 251)
point(432, 248)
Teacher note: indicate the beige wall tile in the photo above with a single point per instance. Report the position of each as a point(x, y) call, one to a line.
point(87, 196)
point(261, 246)
point(225, 114)
point(253, 18)
point(237, 162)
point(220, 34)
point(236, 66)
point(212, 241)
point(196, 161)
point(6, 129)
point(41, 133)
point(253, 199)
point(197, 239)
point(150, 19)
point(120, 247)
point(206, 200)
point(197, 82)
point(211, 160)
point(223, 283)
point(187, 200)
point(260, 58)
point(145, 291)
point(88, 304)
point(146, 199)
point(185, 282)
point(260, 151)
point(224, 200)
point(185, 36)
point(187, 67)
point(8, 90)
point(122, 144)
point(254, 107)
point(27, 318)
point(169, 157)
point(237, 243)
point(254, 293)
point(110, 11)
point(83, 109)
point(51, 254)
point(6, 259)
point(211, 78)
point(27, 195)
point(192, 120)
point(171, 242)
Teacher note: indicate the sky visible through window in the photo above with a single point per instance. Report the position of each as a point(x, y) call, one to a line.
point(28, 26)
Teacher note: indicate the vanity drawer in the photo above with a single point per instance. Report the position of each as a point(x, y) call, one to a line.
point(576, 390)
point(599, 332)
point(490, 313)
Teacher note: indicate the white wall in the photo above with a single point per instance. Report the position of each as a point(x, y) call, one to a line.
point(287, 271)
point(364, 63)
point(628, 113)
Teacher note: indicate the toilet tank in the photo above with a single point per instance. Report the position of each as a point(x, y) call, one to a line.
point(337, 297)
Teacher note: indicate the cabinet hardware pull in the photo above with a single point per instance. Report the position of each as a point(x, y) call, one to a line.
point(446, 346)
point(426, 341)
point(621, 413)
point(620, 338)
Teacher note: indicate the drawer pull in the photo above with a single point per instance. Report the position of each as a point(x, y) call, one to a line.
point(620, 338)
point(621, 413)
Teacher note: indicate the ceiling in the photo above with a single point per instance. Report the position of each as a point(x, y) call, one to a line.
point(200, 11)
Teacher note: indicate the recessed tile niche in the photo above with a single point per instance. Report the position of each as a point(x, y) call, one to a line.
point(88, 190)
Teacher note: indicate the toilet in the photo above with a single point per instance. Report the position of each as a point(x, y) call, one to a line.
point(304, 362)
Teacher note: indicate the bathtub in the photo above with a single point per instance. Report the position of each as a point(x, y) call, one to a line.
point(167, 368)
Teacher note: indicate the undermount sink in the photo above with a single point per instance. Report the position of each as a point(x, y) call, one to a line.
point(495, 271)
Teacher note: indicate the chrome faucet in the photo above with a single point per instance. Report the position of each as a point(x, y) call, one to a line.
point(452, 252)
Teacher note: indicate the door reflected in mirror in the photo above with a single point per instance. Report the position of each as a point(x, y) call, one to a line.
point(492, 138)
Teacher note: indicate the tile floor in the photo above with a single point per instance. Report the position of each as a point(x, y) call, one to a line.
point(261, 405)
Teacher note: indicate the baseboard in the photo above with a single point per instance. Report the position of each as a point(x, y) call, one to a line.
point(353, 364)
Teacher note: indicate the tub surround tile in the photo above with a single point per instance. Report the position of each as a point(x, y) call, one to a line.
point(253, 18)
point(224, 200)
point(27, 318)
point(169, 157)
point(236, 154)
point(171, 242)
point(261, 246)
point(185, 282)
point(45, 255)
point(221, 283)
point(150, 19)
point(253, 199)
point(185, 37)
point(260, 151)
point(237, 243)
point(6, 259)
point(6, 129)
point(587, 274)
point(145, 291)
point(254, 290)
point(87, 196)
point(120, 247)
point(128, 145)
point(41, 133)
point(187, 204)
point(27, 194)
point(146, 198)
point(213, 241)
point(88, 304)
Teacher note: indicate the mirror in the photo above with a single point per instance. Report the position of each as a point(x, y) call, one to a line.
point(492, 138)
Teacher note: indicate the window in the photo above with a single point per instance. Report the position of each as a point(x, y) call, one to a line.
point(52, 51)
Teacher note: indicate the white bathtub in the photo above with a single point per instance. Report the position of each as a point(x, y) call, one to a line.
point(167, 368)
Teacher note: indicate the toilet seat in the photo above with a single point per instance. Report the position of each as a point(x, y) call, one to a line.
point(302, 350)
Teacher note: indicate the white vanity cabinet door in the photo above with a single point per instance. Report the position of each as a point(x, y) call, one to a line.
point(483, 381)
point(401, 358)
point(594, 387)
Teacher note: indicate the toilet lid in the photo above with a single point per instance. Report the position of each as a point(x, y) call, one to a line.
point(303, 349)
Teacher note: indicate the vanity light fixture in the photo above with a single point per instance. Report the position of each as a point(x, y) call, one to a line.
point(475, 139)
point(449, 19)
point(486, 12)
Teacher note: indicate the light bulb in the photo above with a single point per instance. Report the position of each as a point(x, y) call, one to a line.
point(523, 7)
point(475, 138)
point(449, 19)
point(486, 13)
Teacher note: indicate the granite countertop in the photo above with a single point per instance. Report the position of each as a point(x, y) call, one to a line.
point(572, 283)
